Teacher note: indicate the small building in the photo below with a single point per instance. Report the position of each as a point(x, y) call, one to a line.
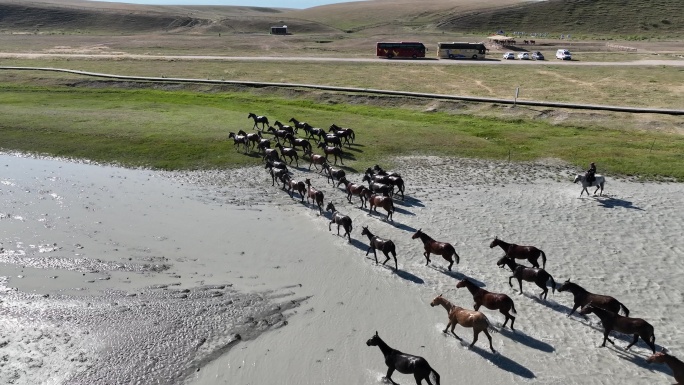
point(279, 30)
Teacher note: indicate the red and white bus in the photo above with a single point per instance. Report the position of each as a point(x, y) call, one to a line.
point(404, 49)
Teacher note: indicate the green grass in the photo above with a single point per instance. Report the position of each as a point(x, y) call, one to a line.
point(189, 130)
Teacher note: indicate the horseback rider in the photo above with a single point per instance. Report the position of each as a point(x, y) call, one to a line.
point(590, 176)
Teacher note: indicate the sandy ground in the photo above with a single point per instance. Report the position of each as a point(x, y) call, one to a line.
point(131, 276)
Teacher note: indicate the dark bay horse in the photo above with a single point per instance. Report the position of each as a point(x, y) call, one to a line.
point(673, 362)
point(288, 152)
point(376, 200)
point(297, 124)
point(514, 251)
point(377, 187)
point(258, 119)
point(404, 363)
point(384, 245)
point(492, 301)
point(582, 297)
point(466, 318)
point(316, 195)
point(314, 132)
point(298, 142)
point(626, 325)
point(343, 132)
point(353, 189)
point(279, 134)
point(392, 180)
point(446, 250)
point(291, 185)
point(335, 151)
point(339, 220)
point(252, 137)
point(284, 127)
point(333, 173)
point(529, 274)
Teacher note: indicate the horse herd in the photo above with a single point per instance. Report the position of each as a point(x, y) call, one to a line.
point(382, 188)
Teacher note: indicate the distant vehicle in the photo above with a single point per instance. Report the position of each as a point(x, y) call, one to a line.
point(461, 50)
point(524, 56)
point(404, 49)
point(563, 54)
point(537, 55)
point(509, 56)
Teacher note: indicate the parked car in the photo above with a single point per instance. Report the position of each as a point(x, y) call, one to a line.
point(509, 56)
point(524, 56)
point(537, 55)
point(563, 54)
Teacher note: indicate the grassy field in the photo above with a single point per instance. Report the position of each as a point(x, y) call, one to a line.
point(188, 130)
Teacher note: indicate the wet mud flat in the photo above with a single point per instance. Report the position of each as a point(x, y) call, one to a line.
point(159, 335)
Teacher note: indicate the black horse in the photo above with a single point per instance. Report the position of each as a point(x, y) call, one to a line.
point(404, 363)
point(626, 325)
point(258, 119)
point(583, 297)
point(340, 220)
point(529, 274)
point(384, 245)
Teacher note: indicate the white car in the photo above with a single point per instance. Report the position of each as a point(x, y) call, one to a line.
point(509, 56)
point(524, 56)
point(563, 54)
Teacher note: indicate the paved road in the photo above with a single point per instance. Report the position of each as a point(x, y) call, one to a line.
point(10, 55)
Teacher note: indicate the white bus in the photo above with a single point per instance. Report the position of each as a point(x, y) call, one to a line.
point(461, 50)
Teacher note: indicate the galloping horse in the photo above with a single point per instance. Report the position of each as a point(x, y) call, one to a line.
point(446, 250)
point(258, 119)
point(294, 185)
point(673, 362)
point(314, 194)
point(288, 152)
point(376, 200)
point(384, 245)
point(377, 187)
point(583, 297)
point(298, 124)
point(529, 274)
point(252, 138)
point(393, 180)
point(239, 140)
point(599, 182)
point(492, 301)
point(340, 220)
point(332, 138)
point(335, 151)
point(343, 132)
point(333, 173)
point(514, 251)
point(626, 325)
point(404, 363)
point(466, 318)
point(278, 133)
point(315, 159)
point(284, 127)
point(312, 132)
point(353, 189)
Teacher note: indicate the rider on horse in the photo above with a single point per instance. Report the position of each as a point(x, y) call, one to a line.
point(590, 176)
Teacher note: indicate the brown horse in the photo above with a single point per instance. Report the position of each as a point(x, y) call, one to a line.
point(339, 220)
point(315, 159)
point(353, 189)
point(377, 187)
point(294, 185)
point(343, 132)
point(492, 301)
point(466, 318)
point(514, 251)
point(313, 132)
point(386, 203)
point(314, 194)
point(583, 297)
point(384, 245)
point(673, 362)
point(529, 274)
point(626, 325)
point(392, 180)
point(404, 363)
point(334, 151)
point(333, 173)
point(446, 250)
point(298, 142)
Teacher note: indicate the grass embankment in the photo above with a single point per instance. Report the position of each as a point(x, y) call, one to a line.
point(188, 130)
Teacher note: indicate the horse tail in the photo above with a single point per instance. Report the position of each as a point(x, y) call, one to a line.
point(624, 308)
point(353, 136)
point(513, 306)
point(543, 255)
point(434, 375)
point(553, 284)
point(490, 326)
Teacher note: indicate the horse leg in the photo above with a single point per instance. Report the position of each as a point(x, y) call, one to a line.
point(634, 341)
point(427, 256)
point(476, 334)
point(490, 340)
point(574, 307)
point(533, 261)
point(386, 256)
point(453, 325)
point(390, 370)
point(451, 261)
point(606, 332)
point(545, 290)
point(508, 315)
point(394, 255)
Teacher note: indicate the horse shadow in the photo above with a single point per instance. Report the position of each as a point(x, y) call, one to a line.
point(359, 245)
point(402, 211)
point(404, 227)
point(641, 361)
point(504, 363)
point(410, 202)
point(611, 203)
point(457, 275)
point(527, 340)
point(553, 305)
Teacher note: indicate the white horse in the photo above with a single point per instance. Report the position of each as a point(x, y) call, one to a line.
point(599, 181)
